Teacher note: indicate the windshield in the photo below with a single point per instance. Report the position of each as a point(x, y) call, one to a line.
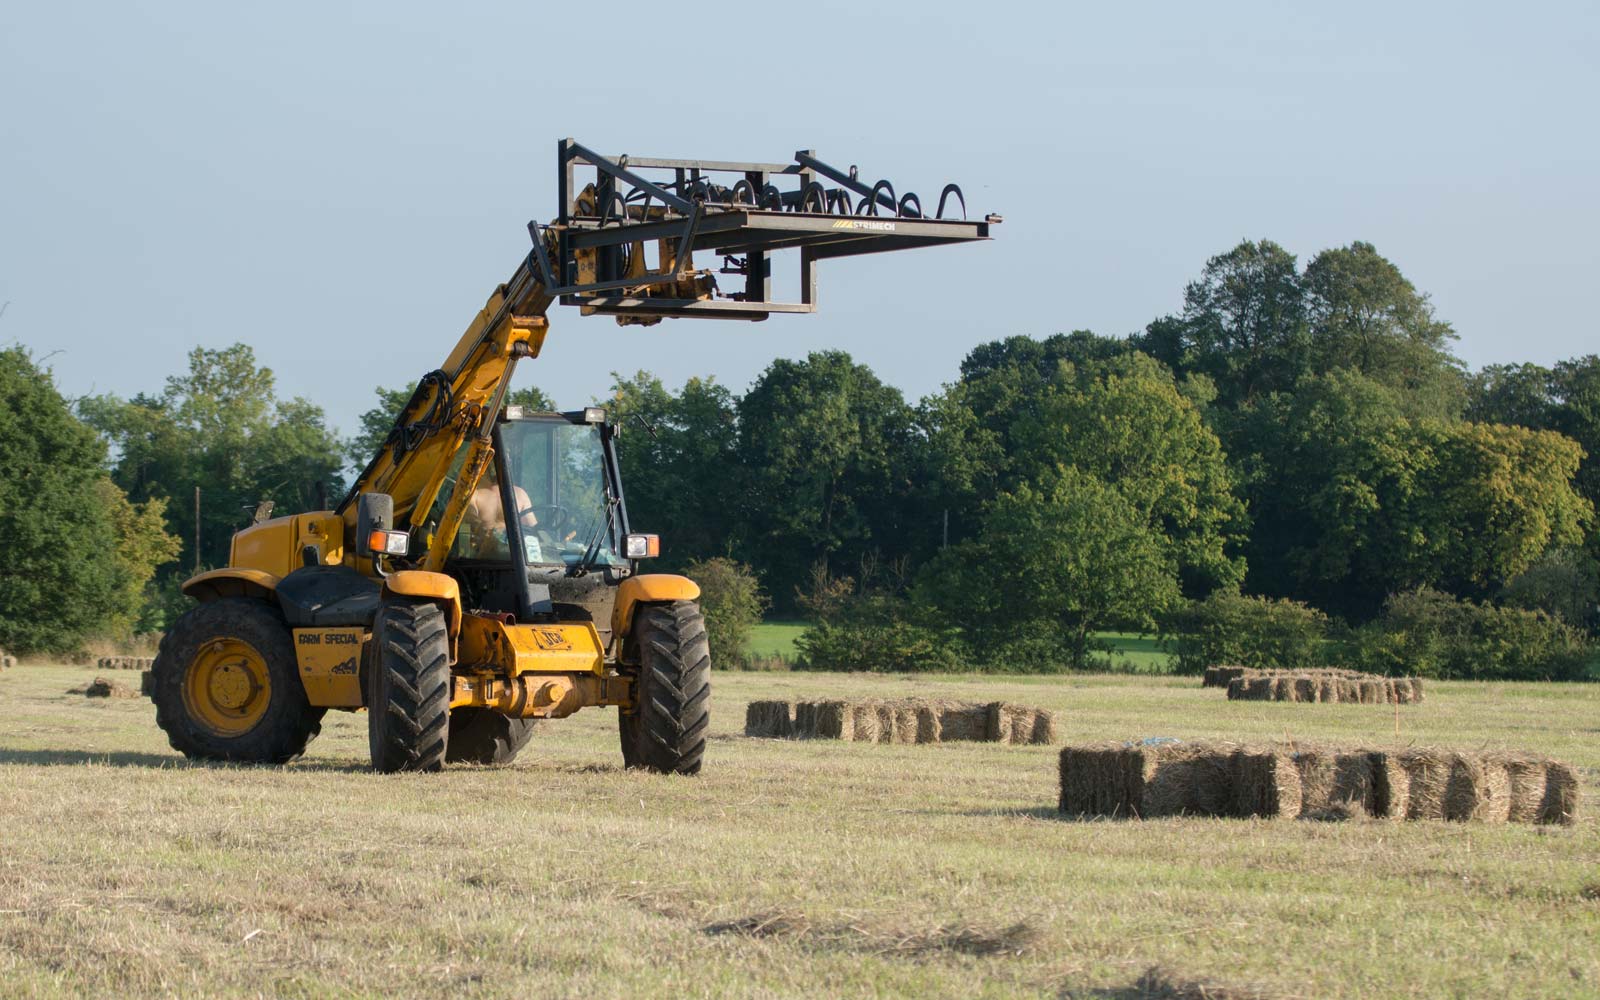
point(557, 473)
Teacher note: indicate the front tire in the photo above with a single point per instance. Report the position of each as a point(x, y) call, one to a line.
point(666, 730)
point(408, 694)
point(484, 736)
point(226, 685)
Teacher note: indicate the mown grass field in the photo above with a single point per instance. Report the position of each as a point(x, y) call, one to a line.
point(789, 869)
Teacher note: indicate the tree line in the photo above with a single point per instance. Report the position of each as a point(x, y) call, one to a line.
point(1293, 433)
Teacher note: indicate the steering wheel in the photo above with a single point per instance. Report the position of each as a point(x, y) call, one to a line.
point(552, 517)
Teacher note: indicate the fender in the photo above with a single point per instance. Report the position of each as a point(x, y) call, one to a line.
point(231, 581)
point(437, 587)
point(650, 587)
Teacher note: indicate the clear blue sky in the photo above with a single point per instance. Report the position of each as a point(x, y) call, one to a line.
point(340, 186)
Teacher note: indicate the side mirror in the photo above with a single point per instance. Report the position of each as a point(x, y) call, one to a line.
point(374, 527)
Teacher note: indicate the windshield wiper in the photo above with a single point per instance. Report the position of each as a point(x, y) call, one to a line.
point(603, 528)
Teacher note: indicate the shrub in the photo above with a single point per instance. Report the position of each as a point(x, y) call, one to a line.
point(1563, 582)
point(878, 632)
point(1426, 633)
point(1228, 628)
point(732, 601)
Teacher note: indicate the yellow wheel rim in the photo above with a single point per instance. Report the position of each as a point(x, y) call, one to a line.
point(227, 689)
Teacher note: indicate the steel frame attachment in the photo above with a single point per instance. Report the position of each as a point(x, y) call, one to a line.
point(594, 254)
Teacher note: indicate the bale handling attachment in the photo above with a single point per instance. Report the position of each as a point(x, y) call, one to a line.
point(623, 243)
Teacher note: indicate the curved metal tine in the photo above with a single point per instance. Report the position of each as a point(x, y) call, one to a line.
point(814, 198)
point(872, 199)
point(839, 201)
point(747, 190)
point(906, 202)
point(950, 189)
point(615, 200)
point(772, 198)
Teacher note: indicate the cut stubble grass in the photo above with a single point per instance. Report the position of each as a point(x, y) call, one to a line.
point(812, 868)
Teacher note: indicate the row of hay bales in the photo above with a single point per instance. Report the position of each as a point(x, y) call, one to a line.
point(125, 662)
point(1172, 778)
point(1221, 677)
point(1322, 684)
point(1370, 690)
point(906, 720)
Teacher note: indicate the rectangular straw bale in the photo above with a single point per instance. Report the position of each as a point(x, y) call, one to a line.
point(1020, 724)
point(866, 722)
point(1305, 688)
point(902, 727)
point(1265, 782)
point(829, 720)
point(1328, 689)
point(1282, 688)
point(1426, 778)
point(1336, 783)
point(1478, 788)
point(1526, 780)
point(769, 718)
point(1181, 779)
point(1416, 690)
point(1094, 780)
point(963, 721)
point(1250, 689)
point(1391, 786)
point(1560, 794)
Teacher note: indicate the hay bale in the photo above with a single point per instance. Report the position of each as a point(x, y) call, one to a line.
point(963, 721)
point(769, 718)
point(1427, 776)
point(1180, 779)
point(104, 688)
point(865, 725)
point(1222, 676)
point(1283, 688)
point(1479, 788)
point(1250, 688)
point(1147, 780)
point(1266, 782)
point(1526, 778)
point(1337, 784)
point(1094, 780)
point(828, 720)
point(1416, 689)
point(1019, 724)
point(1560, 803)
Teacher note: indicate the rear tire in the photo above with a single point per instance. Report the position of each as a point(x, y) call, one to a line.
point(271, 721)
point(482, 736)
point(666, 730)
point(408, 696)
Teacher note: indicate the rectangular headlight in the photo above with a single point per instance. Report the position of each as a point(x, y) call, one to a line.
point(642, 546)
point(594, 415)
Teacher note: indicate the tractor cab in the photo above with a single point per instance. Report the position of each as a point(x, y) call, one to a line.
point(566, 544)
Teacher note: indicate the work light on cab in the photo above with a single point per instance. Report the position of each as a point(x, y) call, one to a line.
point(643, 546)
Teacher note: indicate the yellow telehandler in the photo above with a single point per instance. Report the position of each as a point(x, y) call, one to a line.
point(482, 573)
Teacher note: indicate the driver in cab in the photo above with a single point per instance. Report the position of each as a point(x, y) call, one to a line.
point(485, 521)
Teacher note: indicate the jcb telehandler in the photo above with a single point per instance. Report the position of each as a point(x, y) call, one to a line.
point(482, 574)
